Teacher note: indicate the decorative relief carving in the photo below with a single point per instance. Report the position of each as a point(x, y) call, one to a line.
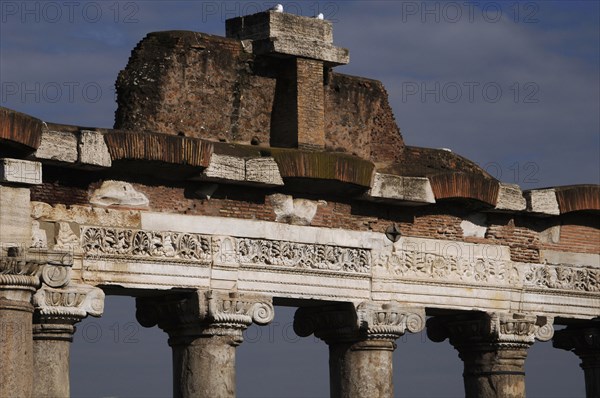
point(389, 320)
point(205, 313)
point(500, 330)
point(39, 239)
point(564, 277)
point(303, 255)
point(72, 303)
point(56, 276)
point(423, 265)
point(234, 310)
point(115, 242)
point(368, 321)
point(66, 238)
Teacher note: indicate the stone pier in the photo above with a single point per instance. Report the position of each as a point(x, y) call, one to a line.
point(204, 329)
point(493, 348)
point(361, 342)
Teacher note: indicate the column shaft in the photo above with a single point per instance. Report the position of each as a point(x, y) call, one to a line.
point(494, 373)
point(592, 377)
point(51, 353)
point(361, 369)
point(493, 348)
point(584, 341)
point(16, 348)
point(204, 367)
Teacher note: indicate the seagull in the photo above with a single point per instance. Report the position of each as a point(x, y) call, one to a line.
point(319, 16)
point(277, 8)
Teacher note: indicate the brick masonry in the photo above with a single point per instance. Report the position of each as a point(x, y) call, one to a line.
point(578, 232)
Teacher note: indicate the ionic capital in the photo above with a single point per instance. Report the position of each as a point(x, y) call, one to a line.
point(368, 321)
point(21, 271)
point(490, 330)
point(583, 340)
point(58, 310)
point(205, 313)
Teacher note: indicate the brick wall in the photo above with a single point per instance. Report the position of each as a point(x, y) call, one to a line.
point(578, 232)
point(311, 97)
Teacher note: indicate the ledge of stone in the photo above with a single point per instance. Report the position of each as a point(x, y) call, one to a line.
point(510, 198)
point(401, 190)
point(20, 171)
point(282, 33)
point(542, 202)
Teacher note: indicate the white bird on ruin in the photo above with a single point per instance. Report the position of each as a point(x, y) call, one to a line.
point(319, 16)
point(277, 8)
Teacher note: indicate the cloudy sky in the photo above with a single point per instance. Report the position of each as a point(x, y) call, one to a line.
point(514, 86)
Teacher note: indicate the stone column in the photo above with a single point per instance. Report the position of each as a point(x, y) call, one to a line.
point(59, 305)
point(584, 341)
point(19, 278)
point(361, 342)
point(493, 348)
point(204, 329)
point(17, 283)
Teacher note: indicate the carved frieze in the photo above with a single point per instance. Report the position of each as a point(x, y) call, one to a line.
point(123, 243)
point(303, 255)
point(564, 277)
point(204, 250)
point(418, 264)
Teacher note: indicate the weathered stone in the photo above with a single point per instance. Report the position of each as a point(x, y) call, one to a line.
point(410, 189)
point(66, 239)
point(15, 227)
point(510, 197)
point(571, 258)
point(288, 34)
point(474, 225)
point(86, 215)
point(226, 167)
point(118, 193)
point(19, 272)
point(293, 211)
point(584, 341)
point(56, 313)
point(20, 171)
point(542, 201)
point(310, 106)
point(358, 117)
point(493, 348)
point(361, 342)
point(16, 366)
point(59, 146)
point(550, 234)
point(263, 170)
point(204, 329)
point(39, 238)
point(93, 149)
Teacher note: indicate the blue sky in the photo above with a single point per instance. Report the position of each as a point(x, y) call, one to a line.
point(514, 86)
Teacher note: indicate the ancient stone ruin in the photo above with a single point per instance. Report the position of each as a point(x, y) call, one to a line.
point(243, 173)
